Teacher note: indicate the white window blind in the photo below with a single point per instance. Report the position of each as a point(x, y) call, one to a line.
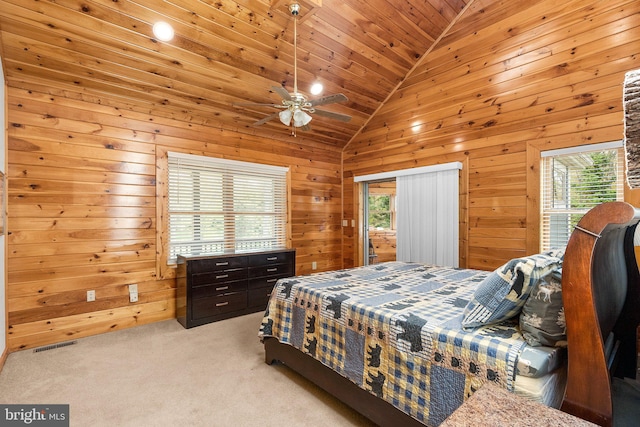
point(574, 181)
point(223, 206)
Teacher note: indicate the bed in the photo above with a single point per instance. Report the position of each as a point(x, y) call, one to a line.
point(409, 343)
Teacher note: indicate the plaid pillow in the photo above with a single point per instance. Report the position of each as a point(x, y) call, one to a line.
point(501, 295)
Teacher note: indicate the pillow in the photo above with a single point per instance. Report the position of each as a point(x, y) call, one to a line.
point(501, 295)
point(542, 319)
point(556, 252)
point(536, 362)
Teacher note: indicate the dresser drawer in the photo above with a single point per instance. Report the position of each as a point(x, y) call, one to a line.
point(219, 289)
point(259, 297)
point(216, 264)
point(264, 282)
point(200, 279)
point(270, 270)
point(271, 258)
point(213, 306)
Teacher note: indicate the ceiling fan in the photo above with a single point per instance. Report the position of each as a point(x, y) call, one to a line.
point(295, 108)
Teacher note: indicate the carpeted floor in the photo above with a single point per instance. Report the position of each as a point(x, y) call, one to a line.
point(164, 375)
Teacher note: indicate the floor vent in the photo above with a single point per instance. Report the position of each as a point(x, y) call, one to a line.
point(52, 346)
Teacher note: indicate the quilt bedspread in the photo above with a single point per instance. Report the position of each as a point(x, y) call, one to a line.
point(395, 330)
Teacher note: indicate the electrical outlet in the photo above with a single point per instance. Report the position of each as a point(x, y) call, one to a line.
point(91, 296)
point(133, 293)
point(314, 265)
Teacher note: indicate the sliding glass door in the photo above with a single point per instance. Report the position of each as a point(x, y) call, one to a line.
point(380, 221)
point(412, 215)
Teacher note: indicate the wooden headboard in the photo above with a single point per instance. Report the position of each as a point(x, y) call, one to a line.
point(601, 296)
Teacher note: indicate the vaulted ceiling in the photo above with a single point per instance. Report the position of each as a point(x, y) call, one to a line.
point(226, 52)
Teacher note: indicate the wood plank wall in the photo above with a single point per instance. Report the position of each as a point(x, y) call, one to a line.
point(83, 168)
point(82, 209)
point(509, 79)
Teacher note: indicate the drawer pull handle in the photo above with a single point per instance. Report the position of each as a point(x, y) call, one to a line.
point(272, 280)
point(222, 288)
point(222, 276)
point(220, 304)
point(272, 258)
point(270, 270)
point(222, 263)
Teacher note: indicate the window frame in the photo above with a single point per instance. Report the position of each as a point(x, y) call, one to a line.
point(166, 265)
point(547, 187)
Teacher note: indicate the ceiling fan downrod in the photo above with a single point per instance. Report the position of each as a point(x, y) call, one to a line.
point(295, 114)
point(294, 8)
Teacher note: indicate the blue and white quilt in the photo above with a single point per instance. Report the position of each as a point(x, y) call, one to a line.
point(395, 330)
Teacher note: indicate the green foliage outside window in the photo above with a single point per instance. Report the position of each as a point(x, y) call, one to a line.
point(380, 211)
point(580, 181)
point(595, 183)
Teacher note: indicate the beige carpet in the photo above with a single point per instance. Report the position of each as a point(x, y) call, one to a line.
point(164, 375)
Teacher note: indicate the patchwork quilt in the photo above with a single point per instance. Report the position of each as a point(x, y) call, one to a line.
point(395, 330)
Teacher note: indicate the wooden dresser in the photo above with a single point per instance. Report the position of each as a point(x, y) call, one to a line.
point(212, 288)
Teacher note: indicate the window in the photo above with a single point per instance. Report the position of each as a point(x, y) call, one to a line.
point(574, 181)
point(382, 211)
point(222, 206)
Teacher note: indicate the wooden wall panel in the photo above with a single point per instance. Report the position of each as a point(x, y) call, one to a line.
point(384, 244)
point(85, 182)
point(83, 212)
point(497, 89)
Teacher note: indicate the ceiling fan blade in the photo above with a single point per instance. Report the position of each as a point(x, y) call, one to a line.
point(266, 119)
point(282, 92)
point(332, 115)
point(338, 97)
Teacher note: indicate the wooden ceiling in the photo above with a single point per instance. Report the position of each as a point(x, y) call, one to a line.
point(225, 52)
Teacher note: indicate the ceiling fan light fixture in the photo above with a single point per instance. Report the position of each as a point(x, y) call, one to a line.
point(300, 118)
point(285, 117)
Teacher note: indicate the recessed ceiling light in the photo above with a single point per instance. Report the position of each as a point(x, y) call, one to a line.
point(163, 31)
point(316, 88)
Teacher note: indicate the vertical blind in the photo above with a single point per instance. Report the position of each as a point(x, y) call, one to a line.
point(574, 181)
point(428, 218)
point(224, 206)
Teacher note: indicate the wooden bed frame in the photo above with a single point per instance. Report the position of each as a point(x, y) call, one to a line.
point(598, 264)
